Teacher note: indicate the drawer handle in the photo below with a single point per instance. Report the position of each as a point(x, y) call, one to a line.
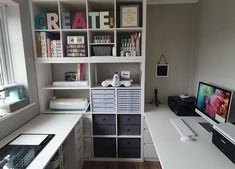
point(128, 142)
point(128, 129)
point(104, 119)
point(128, 119)
point(222, 141)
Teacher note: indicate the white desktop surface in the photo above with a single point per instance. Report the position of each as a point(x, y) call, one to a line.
point(60, 125)
point(175, 154)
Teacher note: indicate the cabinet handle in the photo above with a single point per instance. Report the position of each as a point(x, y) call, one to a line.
point(104, 119)
point(128, 129)
point(128, 119)
point(128, 142)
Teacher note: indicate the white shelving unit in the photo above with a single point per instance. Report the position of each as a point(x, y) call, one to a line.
point(98, 68)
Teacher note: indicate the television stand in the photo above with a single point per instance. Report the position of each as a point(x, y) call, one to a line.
point(207, 126)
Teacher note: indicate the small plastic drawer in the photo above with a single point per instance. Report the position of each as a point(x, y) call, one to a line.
point(124, 129)
point(103, 105)
point(129, 153)
point(129, 143)
point(98, 92)
point(102, 109)
point(104, 119)
point(103, 96)
point(104, 129)
point(103, 100)
point(129, 119)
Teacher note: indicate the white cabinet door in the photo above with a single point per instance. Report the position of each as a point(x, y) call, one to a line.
point(149, 151)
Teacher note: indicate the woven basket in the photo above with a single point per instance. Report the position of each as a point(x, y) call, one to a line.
point(102, 50)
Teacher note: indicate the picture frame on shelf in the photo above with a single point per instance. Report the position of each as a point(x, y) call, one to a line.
point(129, 16)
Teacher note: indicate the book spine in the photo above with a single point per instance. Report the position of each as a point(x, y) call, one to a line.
point(38, 44)
point(43, 44)
point(81, 71)
point(78, 72)
point(48, 47)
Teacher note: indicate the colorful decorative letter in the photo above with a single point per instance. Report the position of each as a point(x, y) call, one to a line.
point(40, 21)
point(79, 21)
point(52, 20)
point(93, 16)
point(65, 17)
point(104, 20)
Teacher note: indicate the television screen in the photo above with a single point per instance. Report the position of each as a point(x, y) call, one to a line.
point(214, 102)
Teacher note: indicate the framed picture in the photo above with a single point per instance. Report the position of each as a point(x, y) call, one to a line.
point(129, 15)
point(162, 70)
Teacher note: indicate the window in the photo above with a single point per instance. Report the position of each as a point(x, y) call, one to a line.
point(6, 71)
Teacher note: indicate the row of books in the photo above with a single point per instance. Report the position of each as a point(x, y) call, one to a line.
point(47, 45)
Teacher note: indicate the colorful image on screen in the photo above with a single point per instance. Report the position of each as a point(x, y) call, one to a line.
point(213, 102)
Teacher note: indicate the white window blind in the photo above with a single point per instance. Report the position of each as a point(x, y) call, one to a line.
point(6, 71)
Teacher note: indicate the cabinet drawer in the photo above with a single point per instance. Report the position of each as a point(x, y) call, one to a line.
point(101, 92)
point(104, 119)
point(224, 145)
point(87, 147)
point(129, 129)
point(86, 126)
point(129, 153)
point(103, 109)
point(147, 137)
point(129, 143)
point(149, 151)
point(129, 119)
point(104, 129)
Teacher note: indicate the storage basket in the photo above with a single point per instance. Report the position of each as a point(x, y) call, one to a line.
point(102, 50)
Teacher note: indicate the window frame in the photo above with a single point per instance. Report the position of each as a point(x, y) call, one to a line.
point(6, 68)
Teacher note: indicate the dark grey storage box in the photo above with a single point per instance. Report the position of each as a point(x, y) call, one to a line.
point(104, 119)
point(124, 129)
point(129, 119)
point(129, 143)
point(104, 129)
point(129, 153)
point(104, 147)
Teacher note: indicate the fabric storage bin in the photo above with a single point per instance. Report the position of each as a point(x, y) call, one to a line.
point(124, 129)
point(129, 119)
point(129, 153)
point(104, 147)
point(104, 129)
point(128, 142)
point(104, 119)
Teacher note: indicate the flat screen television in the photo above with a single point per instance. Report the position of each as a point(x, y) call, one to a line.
point(213, 104)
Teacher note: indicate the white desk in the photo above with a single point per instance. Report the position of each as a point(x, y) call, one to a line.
point(174, 154)
point(60, 125)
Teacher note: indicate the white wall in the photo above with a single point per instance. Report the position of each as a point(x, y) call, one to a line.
point(23, 62)
point(216, 43)
point(171, 31)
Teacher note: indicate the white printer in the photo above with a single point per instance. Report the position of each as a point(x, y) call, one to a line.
point(73, 104)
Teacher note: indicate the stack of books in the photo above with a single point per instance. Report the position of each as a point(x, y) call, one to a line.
point(75, 46)
point(47, 45)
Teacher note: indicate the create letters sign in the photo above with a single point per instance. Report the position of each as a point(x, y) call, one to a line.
point(102, 17)
point(51, 21)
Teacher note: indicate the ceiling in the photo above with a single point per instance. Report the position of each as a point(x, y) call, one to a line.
point(171, 1)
